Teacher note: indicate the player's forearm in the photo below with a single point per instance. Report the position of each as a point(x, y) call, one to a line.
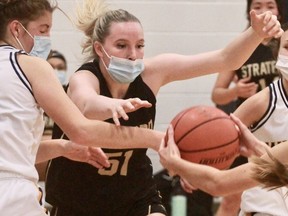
point(240, 49)
point(50, 149)
point(95, 106)
point(199, 176)
point(223, 96)
point(213, 181)
point(105, 135)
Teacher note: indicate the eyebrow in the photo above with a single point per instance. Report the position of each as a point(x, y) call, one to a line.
point(270, 3)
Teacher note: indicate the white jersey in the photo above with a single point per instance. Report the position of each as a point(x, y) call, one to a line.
point(21, 119)
point(273, 129)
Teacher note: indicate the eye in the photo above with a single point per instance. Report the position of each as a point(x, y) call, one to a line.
point(257, 8)
point(140, 46)
point(121, 46)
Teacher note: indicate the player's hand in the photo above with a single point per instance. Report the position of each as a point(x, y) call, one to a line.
point(266, 24)
point(91, 155)
point(169, 152)
point(120, 108)
point(249, 144)
point(244, 88)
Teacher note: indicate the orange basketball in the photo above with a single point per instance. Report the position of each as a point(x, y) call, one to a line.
point(206, 135)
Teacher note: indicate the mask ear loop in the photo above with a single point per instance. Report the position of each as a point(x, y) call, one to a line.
point(20, 44)
point(105, 52)
point(26, 31)
point(106, 55)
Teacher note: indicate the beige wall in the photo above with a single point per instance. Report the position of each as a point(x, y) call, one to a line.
point(181, 26)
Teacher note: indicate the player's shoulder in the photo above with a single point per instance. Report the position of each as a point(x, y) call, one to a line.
point(32, 63)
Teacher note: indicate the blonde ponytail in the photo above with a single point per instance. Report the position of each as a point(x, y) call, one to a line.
point(271, 173)
point(87, 13)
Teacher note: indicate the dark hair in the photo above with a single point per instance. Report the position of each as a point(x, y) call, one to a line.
point(280, 6)
point(285, 26)
point(22, 10)
point(57, 54)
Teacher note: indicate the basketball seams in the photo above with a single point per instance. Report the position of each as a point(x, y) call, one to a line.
point(202, 123)
point(180, 117)
point(209, 149)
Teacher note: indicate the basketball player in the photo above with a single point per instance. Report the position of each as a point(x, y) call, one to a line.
point(28, 84)
point(58, 61)
point(253, 76)
point(116, 71)
point(266, 114)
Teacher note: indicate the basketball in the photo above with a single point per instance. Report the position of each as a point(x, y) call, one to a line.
point(206, 135)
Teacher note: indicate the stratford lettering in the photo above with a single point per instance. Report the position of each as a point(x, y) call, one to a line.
point(258, 70)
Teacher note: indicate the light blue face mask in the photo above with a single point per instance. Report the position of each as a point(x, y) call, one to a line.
point(41, 47)
point(124, 70)
point(61, 76)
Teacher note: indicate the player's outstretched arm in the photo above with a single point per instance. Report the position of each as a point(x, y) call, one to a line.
point(84, 92)
point(162, 67)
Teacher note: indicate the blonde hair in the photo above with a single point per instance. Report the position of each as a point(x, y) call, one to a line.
point(94, 18)
point(271, 173)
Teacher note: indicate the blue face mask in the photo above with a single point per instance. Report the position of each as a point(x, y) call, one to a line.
point(41, 47)
point(124, 70)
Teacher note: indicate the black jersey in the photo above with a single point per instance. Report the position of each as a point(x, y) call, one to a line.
point(111, 191)
point(260, 67)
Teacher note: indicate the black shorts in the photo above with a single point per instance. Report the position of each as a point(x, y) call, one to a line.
point(142, 207)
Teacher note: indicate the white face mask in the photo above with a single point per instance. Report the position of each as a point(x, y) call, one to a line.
point(41, 47)
point(124, 70)
point(282, 65)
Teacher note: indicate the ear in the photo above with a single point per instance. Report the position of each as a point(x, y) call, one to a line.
point(98, 49)
point(14, 28)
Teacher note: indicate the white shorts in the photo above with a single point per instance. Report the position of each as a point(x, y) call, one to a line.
point(20, 197)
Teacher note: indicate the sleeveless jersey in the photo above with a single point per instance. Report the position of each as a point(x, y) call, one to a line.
point(260, 67)
point(21, 119)
point(271, 128)
point(109, 191)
